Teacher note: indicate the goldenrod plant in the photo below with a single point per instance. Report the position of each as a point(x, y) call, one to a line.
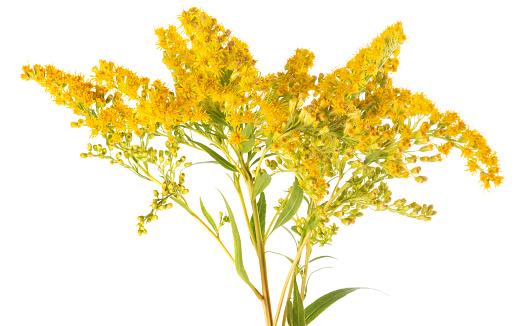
point(340, 134)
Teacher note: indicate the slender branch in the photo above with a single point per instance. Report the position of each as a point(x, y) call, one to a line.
point(258, 168)
point(259, 245)
point(257, 293)
point(190, 211)
point(276, 215)
point(290, 288)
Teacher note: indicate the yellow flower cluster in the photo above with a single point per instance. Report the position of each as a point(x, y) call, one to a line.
point(332, 114)
point(210, 65)
point(315, 125)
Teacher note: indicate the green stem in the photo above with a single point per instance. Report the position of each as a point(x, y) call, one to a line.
point(267, 307)
point(238, 188)
point(308, 250)
point(294, 264)
point(290, 289)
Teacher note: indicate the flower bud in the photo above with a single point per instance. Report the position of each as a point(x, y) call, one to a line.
point(339, 214)
point(426, 148)
point(83, 155)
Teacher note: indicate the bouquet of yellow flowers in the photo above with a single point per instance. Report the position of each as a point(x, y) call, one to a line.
point(341, 134)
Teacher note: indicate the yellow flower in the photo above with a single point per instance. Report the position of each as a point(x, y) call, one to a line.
point(236, 138)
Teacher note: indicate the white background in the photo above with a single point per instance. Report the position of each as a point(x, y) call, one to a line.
point(69, 251)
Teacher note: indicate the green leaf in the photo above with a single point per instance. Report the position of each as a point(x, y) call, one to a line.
point(291, 206)
point(247, 134)
point(289, 313)
point(320, 257)
point(181, 203)
point(308, 279)
point(269, 140)
point(323, 302)
point(208, 217)
point(262, 181)
point(298, 313)
point(295, 229)
point(218, 119)
point(295, 241)
point(221, 160)
point(237, 244)
point(261, 209)
point(277, 253)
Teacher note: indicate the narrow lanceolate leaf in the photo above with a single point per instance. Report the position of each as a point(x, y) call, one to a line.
point(291, 206)
point(320, 257)
point(261, 209)
point(208, 217)
point(308, 280)
point(221, 160)
point(269, 140)
point(289, 313)
point(262, 181)
point(277, 253)
point(295, 241)
point(247, 134)
point(237, 244)
point(319, 306)
point(181, 203)
point(298, 313)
